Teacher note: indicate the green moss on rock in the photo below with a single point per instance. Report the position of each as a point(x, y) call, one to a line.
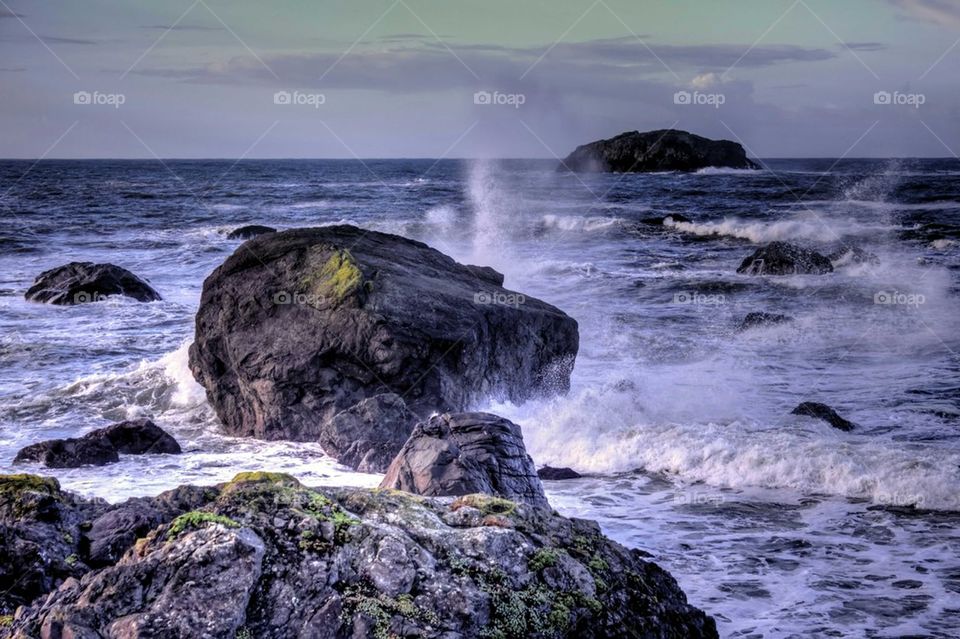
point(11, 485)
point(198, 519)
point(486, 504)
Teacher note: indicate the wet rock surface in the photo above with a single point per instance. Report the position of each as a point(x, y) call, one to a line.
point(264, 556)
point(84, 282)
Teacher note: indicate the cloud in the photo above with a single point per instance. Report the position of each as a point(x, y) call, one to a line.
point(705, 81)
point(942, 12)
point(180, 27)
point(430, 65)
point(62, 40)
point(863, 46)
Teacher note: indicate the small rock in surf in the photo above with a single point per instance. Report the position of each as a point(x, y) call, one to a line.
point(82, 282)
point(782, 258)
point(825, 413)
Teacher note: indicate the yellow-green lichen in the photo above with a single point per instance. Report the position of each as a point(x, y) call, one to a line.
point(261, 477)
point(6, 620)
point(198, 519)
point(486, 504)
point(11, 484)
point(339, 277)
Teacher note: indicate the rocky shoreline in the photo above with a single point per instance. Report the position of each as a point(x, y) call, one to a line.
point(264, 556)
point(369, 344)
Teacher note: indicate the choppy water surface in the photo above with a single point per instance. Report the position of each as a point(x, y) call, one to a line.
point(779, 526)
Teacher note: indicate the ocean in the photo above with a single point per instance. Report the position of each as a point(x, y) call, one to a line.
point(778, 525)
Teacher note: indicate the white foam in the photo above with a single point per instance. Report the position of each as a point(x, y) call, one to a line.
point(717, 170)
point(579, 223)
point(815, 229)
point(611, 432)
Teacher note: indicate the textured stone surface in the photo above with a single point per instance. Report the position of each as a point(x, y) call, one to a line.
point(463, 453)
point(298, 326)
point(663, 150)
point(82, 282)
point(264, 556)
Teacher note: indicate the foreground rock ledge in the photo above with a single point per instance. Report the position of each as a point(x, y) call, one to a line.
point(297, 326)
point(264, 556)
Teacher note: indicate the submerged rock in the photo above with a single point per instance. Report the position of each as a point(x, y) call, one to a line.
point(68, 453)
point(297, 326)
point(550, 473)
point(82, 282)
point(367, 436)
point(852, 254)
point(824, 412)
point(264, 556)
point(101, 446)
point(464, 453)
point(664, 150)
point(758, 319)
point(252, 230)
point(781, 258)
point(667, 220)
point(137, 437)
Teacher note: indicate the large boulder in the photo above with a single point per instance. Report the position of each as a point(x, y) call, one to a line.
point(300, 325)
point(368, 435)
point(663, 150)
point(782, 258)
point(102, 446)
point(465, 453)
point(82, 282)
point(264, 556)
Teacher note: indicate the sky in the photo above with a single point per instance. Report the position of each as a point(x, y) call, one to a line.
point(474, 78)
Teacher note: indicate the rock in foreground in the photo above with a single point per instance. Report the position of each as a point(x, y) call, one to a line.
point(782, 258)
point(664, 150)
point(101, 446)
point(264, 556)
point(300, 325)
point(82, 282)
point(464, 453)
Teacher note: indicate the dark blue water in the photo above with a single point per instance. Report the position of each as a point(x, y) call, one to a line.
point(779, 525)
